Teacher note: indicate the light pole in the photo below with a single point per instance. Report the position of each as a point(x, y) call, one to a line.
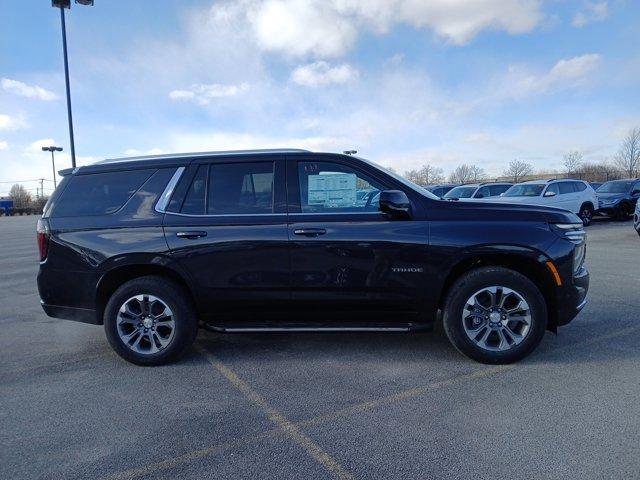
point(62, 4)
point(52, 149)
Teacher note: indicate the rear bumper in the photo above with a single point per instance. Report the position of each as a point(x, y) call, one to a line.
point(573, 298)
point(83, 315)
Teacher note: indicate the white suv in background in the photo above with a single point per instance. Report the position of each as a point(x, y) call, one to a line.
point(476, 191)
point(576, 196)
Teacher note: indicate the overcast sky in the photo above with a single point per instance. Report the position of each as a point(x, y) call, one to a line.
point(404, 82)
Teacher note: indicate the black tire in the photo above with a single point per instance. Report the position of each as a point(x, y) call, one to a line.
point(184, 317)
point(586, 214)
point(623, 212)
point(474, 281)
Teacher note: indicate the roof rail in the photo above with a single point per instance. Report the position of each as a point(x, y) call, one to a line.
point(205, 154)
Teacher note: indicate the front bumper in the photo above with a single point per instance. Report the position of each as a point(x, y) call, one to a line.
point(608, 210)
point(573, 297)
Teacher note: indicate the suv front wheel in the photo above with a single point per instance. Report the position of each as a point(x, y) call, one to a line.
point(495, 315)
point(150, 321)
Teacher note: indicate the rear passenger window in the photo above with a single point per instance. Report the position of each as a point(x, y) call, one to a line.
point(194, 199)
point(99, 193)
point(236, 188)
point(566, 187)
point(579, 186)
point(496, 190)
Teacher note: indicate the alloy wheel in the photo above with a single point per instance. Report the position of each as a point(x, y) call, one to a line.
point(496, 318)
point(145, 324)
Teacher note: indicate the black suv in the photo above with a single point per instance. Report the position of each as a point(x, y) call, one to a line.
point(274, 240)
point(618, 198)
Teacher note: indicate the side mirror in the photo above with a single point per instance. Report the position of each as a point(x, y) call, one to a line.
point(395, 203)
point(549, 194)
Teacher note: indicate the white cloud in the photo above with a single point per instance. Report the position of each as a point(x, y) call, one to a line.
point(592, 12)
point(330, 28)
point(4, 145)
point(566, 73)
point(23, 90)
point(134, 152)
point(321, 73)
point(8, 122)
point(203, 94)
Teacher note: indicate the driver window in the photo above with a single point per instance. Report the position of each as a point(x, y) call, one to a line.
point(327, 187)
point(553, 188)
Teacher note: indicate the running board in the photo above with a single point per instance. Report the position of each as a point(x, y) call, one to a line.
point(304, 329)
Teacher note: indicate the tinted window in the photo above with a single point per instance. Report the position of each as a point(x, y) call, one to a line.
point(525, 190)
point(483, 192)
point(99, 193)
point(616, 186)
point(579, 186)
point(566, 187)
point(194, 199)
point(240, 188)
point(554, 187)
point(461, 192)
point(498, 189)
point(333, 187)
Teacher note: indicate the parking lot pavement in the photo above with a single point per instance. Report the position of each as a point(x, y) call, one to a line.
point(322, 405)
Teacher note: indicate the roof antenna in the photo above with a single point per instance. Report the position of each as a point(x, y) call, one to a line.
point(350, 152)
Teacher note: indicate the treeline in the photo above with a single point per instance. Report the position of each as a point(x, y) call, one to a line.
point(23, 202)
point(625, 164)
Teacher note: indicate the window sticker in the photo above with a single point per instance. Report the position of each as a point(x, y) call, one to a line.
point(332, 190)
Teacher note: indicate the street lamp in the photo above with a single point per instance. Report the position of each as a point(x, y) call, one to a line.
point(52, 149)
point(62, 4)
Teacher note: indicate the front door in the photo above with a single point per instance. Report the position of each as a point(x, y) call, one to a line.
point(346, 254)
point(227, 228)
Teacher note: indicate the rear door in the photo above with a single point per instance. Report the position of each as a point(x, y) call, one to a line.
point(346, 255)
point(226, 225)
point(569, 198)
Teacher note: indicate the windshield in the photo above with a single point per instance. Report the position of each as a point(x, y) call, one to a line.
point(404, 181)
point(460, 192)
point(619, 186)
point(525, 190)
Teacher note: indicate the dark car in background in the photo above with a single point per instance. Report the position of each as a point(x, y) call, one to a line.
point(278, 240)
point(618, 198)
point(596, 185)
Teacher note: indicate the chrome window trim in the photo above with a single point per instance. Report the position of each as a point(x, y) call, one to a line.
point(163, 202)
point(336, 213)
point(213, 215)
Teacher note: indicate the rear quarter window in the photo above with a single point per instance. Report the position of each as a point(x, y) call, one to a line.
point(99, 193)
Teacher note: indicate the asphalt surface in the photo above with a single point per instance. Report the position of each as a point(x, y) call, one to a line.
point(322, 405)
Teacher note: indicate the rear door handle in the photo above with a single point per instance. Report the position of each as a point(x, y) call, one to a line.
point(191, 235)
point(310, 232)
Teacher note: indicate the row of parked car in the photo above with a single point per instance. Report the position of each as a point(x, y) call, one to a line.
point(616, 198)
point(13, 211)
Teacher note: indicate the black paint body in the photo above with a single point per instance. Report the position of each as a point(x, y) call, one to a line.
point(367, 269)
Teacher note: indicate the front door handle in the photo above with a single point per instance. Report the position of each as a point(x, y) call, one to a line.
point(310, 232)
point(191, 235)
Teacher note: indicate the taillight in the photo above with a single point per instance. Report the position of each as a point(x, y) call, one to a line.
point(42, 231)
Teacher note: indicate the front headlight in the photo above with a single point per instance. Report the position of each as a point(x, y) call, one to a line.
point(579, 254)
point(574, 232)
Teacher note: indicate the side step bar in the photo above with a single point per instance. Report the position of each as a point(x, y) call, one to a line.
point(254, 329)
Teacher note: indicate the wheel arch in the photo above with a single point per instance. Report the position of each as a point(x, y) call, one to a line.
point(531, 265)
point(117, 276)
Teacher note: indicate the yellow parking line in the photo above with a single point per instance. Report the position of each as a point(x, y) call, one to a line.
point(285, 425)
point(319, 419)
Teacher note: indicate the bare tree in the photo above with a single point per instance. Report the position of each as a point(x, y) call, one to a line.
point(572, 161)
point(21, 198)
point(518, 169)
point(599, 172)
point(628, 158)
point(467, 174)
point(426, 175)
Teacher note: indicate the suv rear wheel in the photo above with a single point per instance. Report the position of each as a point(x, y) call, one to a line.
point(495, 315)
point(586, 214)
point(150, 321)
